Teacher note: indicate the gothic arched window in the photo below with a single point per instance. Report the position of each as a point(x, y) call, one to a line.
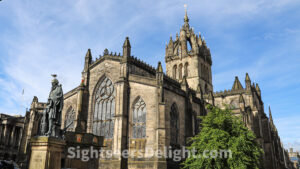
point(186, 69)
point(174, 71)
point(69, 119)
point(174, 120)
point(103, 123)
point(180, 71)
point(139, 119)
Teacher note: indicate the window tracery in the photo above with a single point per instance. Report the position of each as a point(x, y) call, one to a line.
point(104, 109)
point(69, 119)
point(139, 119)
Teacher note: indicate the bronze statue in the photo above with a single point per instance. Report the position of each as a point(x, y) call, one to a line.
point(51, 121)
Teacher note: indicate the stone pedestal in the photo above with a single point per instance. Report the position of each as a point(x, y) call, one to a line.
point(46, 153)
point(83, 141)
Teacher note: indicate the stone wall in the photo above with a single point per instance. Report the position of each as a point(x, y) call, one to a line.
point(11, 131)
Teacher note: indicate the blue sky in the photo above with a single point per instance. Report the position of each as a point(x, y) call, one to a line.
point(261, 37)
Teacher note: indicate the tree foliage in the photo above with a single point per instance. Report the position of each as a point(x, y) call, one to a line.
point(221, 130)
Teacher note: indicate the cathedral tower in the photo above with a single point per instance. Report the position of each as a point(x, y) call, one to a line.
point(187, 55)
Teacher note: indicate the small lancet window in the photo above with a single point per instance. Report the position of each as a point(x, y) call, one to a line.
point(139, 119)
point(180, 71)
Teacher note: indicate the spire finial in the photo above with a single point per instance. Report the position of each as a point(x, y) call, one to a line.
point(126, 48)
point(186, 19)
point(159, 68)
point(237, 84)
point(270, 114)
point(88, 53)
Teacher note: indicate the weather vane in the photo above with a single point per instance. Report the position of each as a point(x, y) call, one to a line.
point(185, 7)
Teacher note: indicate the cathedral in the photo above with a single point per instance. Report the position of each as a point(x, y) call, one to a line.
point(135, 106)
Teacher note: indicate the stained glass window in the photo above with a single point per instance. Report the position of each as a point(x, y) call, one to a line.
point(174, 124)
point(69, 119)
point(139, 119)
point(103, 123)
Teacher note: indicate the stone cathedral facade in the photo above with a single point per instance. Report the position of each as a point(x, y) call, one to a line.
point(138, 107)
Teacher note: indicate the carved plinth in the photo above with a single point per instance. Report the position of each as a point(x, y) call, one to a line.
point(46, 153)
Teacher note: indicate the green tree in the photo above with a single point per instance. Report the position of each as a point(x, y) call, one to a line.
point(221, 130)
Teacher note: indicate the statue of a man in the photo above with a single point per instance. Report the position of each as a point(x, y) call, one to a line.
point(54, 108)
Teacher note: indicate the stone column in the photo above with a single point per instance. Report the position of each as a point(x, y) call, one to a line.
point(7, 135)
point(16, 137)
point(78, 120)
point(160, 120)
point(4, 134)
point(20, 138)
point(12, 137)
